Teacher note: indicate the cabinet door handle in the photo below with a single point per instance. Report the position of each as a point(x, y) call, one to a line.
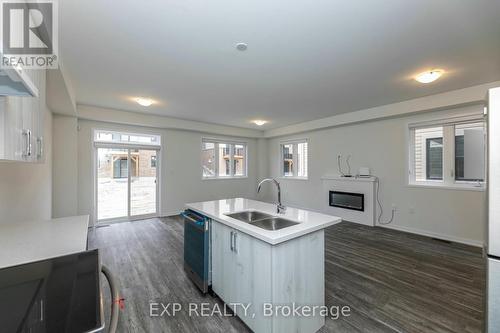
point(235, 247)
point(29, 143)
point(27, 135)
point(39, 141)
point(231, 241)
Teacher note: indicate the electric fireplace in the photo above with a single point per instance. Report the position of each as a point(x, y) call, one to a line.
point(347, 200)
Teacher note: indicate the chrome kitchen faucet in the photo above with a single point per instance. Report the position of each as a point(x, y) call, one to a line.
point(279, 207)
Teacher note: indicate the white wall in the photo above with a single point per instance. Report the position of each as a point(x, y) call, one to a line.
point(26, 188)
point(382, 146)
point(375, 137)
point(451, 99)
point(65, 166)
point(180, 171)
point(94, 113)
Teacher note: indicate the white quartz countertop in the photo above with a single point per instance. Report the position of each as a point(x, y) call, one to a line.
point(24, 242)
point(308, 221)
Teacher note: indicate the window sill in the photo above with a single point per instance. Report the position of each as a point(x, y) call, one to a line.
point(459, 187)
point(224, 178)
point(295, 178)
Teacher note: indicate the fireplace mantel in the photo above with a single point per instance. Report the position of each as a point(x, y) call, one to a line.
point(349, 179)
point(360, 185)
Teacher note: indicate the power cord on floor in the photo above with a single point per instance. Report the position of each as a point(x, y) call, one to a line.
point(380, 206)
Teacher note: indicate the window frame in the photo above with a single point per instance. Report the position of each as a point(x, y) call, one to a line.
point(96, 140)
point(449, 158)
point(295, 144)
point(231, 144)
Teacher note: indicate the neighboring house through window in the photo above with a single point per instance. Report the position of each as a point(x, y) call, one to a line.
point(120, 166)
point(221, 159)
point(294, 159)
point(434, 161)
point(115, 161)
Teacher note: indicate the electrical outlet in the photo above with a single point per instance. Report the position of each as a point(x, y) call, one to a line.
point(394, 207)
point(411, 210)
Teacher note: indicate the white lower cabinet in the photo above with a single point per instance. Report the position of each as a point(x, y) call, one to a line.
point(222, 261)
point(241, 274)
point(249, 272)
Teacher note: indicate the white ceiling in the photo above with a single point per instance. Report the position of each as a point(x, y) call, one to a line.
point(305, 59)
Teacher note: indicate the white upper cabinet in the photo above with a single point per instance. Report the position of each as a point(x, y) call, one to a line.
point(17, 82)
point(22, 123)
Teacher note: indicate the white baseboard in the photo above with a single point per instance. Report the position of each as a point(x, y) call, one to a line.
point(466, 241)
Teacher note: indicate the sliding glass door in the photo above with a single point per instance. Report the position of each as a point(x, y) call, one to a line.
point(112, 183)
point(143, 182)
point(127, 186)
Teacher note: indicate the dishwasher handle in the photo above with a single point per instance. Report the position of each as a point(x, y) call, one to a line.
point(115, 299)
point(199, 222)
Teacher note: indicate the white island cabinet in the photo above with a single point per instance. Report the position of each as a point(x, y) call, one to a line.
point(241, 274)
point(261, 274)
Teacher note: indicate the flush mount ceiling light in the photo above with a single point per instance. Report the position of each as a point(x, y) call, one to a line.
point(144, 101)
point(259, 122)
point(429, 76)
point(241, 46)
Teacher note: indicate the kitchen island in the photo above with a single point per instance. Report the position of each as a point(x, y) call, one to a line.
point(262, 274)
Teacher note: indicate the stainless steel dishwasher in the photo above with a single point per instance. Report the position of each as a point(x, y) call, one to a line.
point(197, 261)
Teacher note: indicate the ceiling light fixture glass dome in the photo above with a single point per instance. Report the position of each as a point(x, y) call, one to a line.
point(144, 101)
point(429, 76)
point(259, 122)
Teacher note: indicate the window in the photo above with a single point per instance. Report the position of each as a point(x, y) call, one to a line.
point(294, 159)
point(451, 154)
point(469, 152)
point(434, 163)
point(221, 159)
point(224, 160)
point(287, 160)
point(240, 153)
point(127, 138)
point(153, 161)
point(208, 159)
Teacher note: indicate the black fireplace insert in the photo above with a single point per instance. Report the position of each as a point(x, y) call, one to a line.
point(347, 200)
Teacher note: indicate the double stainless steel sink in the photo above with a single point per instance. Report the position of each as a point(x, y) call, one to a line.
point(262, 220)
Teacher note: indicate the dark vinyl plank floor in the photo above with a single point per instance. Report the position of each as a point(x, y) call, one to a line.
point(392, 281)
